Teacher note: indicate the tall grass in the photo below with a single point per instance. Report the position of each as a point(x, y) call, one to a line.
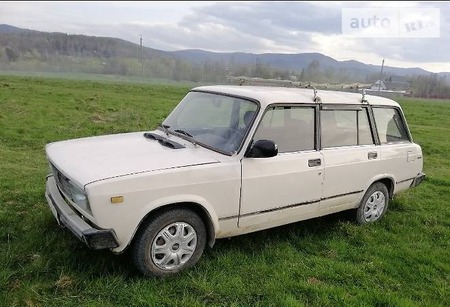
point(401, 261)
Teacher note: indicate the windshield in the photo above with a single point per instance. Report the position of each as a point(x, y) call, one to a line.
point(216, 121)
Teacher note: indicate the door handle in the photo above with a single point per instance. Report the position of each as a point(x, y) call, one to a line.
point(314, 162)
point(372, 155)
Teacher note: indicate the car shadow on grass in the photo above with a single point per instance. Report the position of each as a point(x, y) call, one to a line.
point(318, 228)
point(103, 263)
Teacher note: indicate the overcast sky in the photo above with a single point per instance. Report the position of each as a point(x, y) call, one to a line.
point(257, 27)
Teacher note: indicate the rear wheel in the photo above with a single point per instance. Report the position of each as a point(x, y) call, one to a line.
point(373, 205)
point(168, 243)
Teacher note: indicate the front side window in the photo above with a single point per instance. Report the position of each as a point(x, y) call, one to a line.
point(291, 128)
point(345, 128)
point(216, 121)
point(390, 126)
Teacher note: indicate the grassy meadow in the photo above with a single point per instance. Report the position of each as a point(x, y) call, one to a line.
point(404, 260)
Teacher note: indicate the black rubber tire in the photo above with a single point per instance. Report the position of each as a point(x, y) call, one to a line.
point(147, 233)
point(361, 216)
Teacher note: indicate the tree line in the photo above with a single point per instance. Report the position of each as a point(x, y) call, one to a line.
point(60, 52)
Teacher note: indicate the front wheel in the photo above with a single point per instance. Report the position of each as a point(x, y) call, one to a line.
point(373, 205)
point(168, 243)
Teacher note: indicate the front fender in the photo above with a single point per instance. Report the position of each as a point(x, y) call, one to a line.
point(166, 202)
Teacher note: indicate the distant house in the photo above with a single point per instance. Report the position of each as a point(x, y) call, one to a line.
point(377, 86)
point(390, 87)
point(393, 83)
point(396, 83)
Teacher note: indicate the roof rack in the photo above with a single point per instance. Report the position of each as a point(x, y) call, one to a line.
point(247, 81)
point(316, 98)
point(363, 99)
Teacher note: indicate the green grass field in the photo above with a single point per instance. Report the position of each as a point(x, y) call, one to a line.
point(404, 260)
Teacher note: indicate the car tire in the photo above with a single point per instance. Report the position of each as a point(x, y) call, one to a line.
point(169, 242)
point(373, 205)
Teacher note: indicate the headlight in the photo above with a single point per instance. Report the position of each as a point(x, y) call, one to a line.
point(80, 198)
point(72, 192)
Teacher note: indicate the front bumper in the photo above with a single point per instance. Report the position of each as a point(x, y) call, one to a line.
point(93, 237)
point(418, 180)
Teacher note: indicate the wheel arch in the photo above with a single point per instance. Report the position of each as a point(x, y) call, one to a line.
point(201, 211)
point(388, 181)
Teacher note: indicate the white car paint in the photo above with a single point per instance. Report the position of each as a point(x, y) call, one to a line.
point(90, 159)
point(240, 194)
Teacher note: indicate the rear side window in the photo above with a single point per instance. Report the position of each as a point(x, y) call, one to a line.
point(345, 128)
point(391, 128)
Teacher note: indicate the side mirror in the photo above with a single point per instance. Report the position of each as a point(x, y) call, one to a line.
point(262, 149)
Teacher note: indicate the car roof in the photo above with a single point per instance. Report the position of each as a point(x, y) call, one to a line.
point(269, 94)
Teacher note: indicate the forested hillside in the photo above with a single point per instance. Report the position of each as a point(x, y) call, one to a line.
point(29, 50)
point(59, 52)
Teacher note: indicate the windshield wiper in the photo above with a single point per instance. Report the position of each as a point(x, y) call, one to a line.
point(190, 136)
point(165, 128)
point(184, 132)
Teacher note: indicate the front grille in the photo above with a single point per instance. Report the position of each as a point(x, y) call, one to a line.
point(74, 196)
point(62, 181)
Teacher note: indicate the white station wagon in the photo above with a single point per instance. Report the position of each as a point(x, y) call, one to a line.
point(230, 160)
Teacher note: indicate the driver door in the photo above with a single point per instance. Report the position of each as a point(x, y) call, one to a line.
point(287, 187)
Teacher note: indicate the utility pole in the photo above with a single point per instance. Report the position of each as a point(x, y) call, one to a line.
point(381, 74)
point(142, 58)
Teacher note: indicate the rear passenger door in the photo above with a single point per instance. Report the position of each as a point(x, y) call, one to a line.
point(287, 187)
point(351, 158)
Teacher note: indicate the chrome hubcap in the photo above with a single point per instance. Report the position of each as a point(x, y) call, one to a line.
point(374, 206)
point(174, 246)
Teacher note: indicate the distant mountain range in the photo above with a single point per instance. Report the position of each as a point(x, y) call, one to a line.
point(295, 62)
point(81, 46)
point(11, 29)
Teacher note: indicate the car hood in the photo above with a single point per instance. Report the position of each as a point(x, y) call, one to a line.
point(92, 159)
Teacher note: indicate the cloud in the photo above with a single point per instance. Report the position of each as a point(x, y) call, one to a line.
point(414, 50)
point(258, 27)
point(293, 27)
point(273, 18)
point(246, 27)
